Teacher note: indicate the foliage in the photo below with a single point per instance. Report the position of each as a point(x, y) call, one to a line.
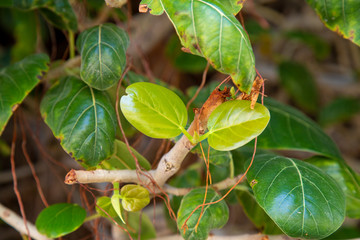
point(283, 195)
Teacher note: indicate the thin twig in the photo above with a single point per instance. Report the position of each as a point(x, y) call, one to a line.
point(203, 81)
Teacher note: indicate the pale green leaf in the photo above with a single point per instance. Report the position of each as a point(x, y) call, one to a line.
point(154, 110)
point(134, 197)
point(234, 123)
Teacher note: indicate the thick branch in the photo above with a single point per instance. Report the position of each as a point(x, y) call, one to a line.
point(17, 222)
point(169, 164)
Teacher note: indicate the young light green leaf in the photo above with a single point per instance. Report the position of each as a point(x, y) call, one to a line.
point(300, 198)
point(348, 180)
point(225, 44)
point(105, 208)
point(58, 12)
point(285, 127)
point(103, 55)
point(300, 84)
point(17, 81)
point(340, 17)
point(154, 110)
point(122, 159)
point(134, 197)
point(60, 219)
point(234, 123)
point(341, 109)
point(115, 202)
point(82, 118)
point(214, 216)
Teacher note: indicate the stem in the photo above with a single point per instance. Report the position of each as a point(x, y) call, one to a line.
point(71, 44)
point(92, 217)
point(189, 137)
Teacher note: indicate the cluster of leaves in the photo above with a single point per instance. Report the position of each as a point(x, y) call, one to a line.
point(307, 199)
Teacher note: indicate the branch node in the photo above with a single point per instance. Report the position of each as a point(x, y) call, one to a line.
point(71, 178)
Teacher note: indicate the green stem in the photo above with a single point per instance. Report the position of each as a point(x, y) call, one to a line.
point(92, 217)
point(203, 137)
point(116, 186)
point(232, 168)
point(71, 44)
point(191, 139)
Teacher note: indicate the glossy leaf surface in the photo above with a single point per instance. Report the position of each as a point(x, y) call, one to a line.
point(58, 12)
point(134, 197)
point(154, 110)
point(348, 180)
point(122, 159)
point(341, 17)
point(82, 118)
point(103, 55)
point(339, 110)
point(225, 44)
point(17, 81)
point(60, 219)
point(234, 123)
point(300, 84)
point(290, 129)
point(214, 216)
point(301, 199)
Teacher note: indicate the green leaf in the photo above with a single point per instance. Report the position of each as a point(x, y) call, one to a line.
point(115, 202)
point(348, 180)
point(225, 44)
point(122, 159)
point(154, 110)
point(58, 12)
point(82, 118)
point(234, 123)
point(341, 17)
point(60, 219)
point(134, 197)
point(146, 228)
point(339, 110)
point(301, 199)
point(17, 81)
point(103, 55)
point(256, 214)
point(300, 84)
point(290, 129)
point(214, 216)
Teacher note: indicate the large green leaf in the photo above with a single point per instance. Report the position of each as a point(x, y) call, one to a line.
point(341, 109)
point(347, 179)
point(302, 200)
point(82, 118)
point(103, 55)
point(214, 216)
point(145, 229)
point(300, 84)
point(340, 16)
point(154, 110)
point(234, 123)
point(60, 219)
point(58, 12)
point(208, 28)
point(289, 129)
point(122, 159)
point(17, 81)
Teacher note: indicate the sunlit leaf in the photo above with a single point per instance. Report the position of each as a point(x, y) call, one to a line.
point(17, 81)
point(134, 197)
point(341, 17)
point(225, 44)
point(103, 55)
point(60, 219)
point(58, 12)
point(348, 180)
point(115, 202)
point(214, 216)
point(154, 110)
point(300, 198)
point(234, 123)
point(82, 118)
